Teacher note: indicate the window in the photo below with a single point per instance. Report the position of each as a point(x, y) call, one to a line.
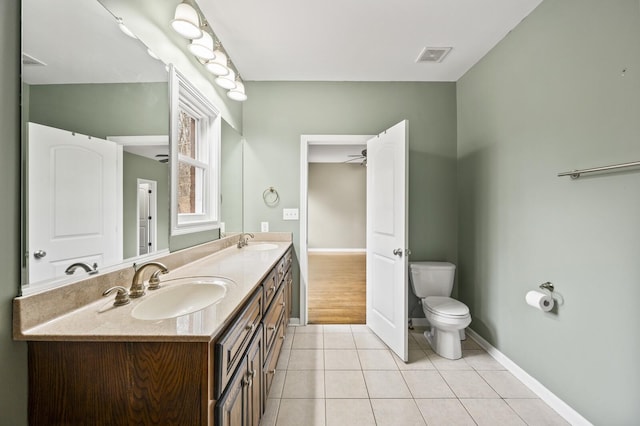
point(195, 159)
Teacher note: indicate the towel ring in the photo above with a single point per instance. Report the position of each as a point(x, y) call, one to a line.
point(270, 196)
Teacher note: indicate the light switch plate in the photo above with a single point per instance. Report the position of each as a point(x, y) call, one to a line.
point(264, 226)
point(289, 214)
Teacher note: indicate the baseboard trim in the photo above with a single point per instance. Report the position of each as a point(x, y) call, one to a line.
point(561, 407)
point(337, 250)
point(294, 321)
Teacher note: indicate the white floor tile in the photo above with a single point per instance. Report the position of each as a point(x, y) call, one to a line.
point(283, 361)
point(296, 412)
point(306, 359)
point(536, 413)
point(304, 384)
point(341, 359)
point(376, 359)
point(277, 385)
point(418, 360)
point(506, 384)
point(445, 364)
point(307, 341)
point(337, 328)
point(309, 328)
point(394, 412)
point(444, 412)
point(491, 412)
point(271, 413)
point(386, 384)
point(368, 341)
point(468, 384)
point(345, 384)
point(480, 360)
point(427, 384)
point(339, 341)
point(360, 328)
point(352, 412)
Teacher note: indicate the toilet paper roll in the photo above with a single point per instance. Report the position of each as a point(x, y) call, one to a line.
point(539, 300)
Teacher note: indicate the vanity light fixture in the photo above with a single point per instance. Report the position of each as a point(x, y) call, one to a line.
point(218, 65)
point(186, 22)
point(202, 48)
point(124, 28)
point(238, 94)
point(227, 81)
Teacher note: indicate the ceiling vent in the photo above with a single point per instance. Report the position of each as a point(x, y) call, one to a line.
point(30, 60)
point(433, 54)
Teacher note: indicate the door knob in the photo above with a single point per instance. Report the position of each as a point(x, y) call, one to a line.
point(398, 252)
point(39, 254)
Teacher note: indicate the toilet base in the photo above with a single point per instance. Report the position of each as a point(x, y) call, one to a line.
point(445, 343)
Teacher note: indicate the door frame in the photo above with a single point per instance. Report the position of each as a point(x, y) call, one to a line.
point(153, 212)
point(303, 257)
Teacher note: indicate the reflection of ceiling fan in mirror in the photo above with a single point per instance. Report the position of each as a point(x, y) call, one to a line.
point(362, 158)
point(163, 158)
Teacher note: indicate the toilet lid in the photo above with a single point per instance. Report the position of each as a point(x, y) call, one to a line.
point(445, 306)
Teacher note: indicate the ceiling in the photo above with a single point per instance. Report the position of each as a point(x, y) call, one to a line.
point(359, 40)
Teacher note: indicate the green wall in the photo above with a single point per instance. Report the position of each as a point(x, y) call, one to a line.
point(13, 355)
point(138, 167)
point(550, 98)
point(277, 113)
point(101, 110)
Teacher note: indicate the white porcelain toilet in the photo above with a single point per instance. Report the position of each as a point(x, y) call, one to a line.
point(432, 282)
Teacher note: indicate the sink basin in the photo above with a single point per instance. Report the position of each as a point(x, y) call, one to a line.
point(260, 246)
point(191, 295)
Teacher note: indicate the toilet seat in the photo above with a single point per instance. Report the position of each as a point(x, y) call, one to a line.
point(445, 307)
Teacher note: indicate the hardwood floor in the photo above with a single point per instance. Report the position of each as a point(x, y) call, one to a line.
point(337, 288)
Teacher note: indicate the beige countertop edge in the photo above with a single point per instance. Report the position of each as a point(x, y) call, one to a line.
point(99, 322)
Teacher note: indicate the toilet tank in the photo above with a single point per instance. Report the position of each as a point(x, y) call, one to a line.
point(432, 278)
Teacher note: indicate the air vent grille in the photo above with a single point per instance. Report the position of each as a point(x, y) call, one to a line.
point(433, 54)
point(30, 60)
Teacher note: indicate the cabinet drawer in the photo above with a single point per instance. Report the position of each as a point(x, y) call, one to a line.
point(272, 318)
point(230, 348)
point(270, 286)
point(271, 360)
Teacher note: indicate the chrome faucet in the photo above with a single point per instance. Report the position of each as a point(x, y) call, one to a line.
point(88, 269)
point(244, 239)
point(137, 283)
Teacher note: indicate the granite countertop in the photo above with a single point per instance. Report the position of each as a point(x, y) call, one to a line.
point(101, 321)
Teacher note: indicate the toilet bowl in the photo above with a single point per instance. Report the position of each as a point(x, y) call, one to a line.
point(432, 282)
point(448, 318)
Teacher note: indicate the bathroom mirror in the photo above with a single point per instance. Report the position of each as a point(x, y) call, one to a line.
point(88, 80)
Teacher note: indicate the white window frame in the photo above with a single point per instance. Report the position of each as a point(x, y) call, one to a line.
point(183, 95)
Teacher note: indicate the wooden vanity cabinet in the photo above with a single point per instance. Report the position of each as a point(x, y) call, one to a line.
point(221, 382)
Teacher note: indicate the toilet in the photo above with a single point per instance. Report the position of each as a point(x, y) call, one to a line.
point(432, 282)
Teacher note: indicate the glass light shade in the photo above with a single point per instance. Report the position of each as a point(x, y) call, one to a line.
point(227, 81)
point(124, 29)
point(202, 47)
point(186, 21)
point(218, 65)
point(237, 94)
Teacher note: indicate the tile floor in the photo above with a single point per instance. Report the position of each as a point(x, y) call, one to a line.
point(344, 375)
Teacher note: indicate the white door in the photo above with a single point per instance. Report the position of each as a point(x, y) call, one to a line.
point(387, 237)
point(143, 219)
point(74, 185)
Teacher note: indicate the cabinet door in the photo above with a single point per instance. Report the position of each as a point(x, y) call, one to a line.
point(255, 388)
point(232, 409)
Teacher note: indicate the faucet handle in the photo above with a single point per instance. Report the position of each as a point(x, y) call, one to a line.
point(154, 281)
point(122, 295)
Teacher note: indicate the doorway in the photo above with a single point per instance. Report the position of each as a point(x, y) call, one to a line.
point(332, 279)
point(147, 216)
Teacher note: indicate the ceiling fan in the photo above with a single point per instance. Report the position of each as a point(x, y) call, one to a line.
point(362, 157)
point(163, 158)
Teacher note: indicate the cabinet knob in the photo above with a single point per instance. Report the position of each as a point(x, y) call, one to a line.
point(271, 327)
point(251, 327)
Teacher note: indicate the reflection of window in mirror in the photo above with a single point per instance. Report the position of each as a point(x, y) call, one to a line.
point(195, 159)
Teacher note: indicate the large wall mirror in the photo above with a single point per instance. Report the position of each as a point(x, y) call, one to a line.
point(95, 112)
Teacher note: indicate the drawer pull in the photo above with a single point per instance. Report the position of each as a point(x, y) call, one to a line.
point(284, 304)
point(250, 327)
point(271, 327)
point(271, 371)
point(272, 288)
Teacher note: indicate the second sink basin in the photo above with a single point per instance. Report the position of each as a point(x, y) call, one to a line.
point(188, 296)
point(260, 246)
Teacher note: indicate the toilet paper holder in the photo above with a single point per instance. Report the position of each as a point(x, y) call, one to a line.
point(547, 286)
